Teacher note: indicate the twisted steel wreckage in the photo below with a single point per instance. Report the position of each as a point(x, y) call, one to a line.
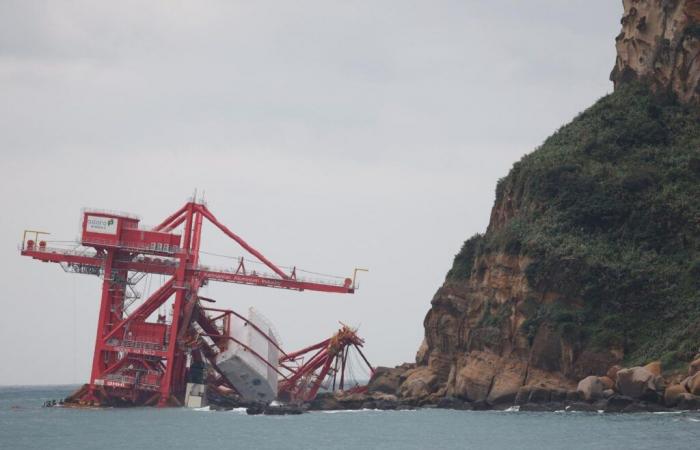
point(173, 346)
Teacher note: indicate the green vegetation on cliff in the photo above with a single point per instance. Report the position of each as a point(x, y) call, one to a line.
point(608, 210)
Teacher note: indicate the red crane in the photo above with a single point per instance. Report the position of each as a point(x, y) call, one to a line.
point(142, 360)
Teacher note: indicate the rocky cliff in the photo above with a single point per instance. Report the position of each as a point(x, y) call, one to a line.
point(660, 44)
point(592, 254)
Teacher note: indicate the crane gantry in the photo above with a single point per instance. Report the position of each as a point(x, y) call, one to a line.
point(142, 357)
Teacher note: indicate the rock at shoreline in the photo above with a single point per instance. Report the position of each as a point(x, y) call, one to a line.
point(590, 388)
point(673, 393)
point(638, 382)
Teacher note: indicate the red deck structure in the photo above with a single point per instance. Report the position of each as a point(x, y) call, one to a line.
point(141, 357)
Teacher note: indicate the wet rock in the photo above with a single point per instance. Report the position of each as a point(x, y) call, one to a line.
point(454, 403)
point(617, 403)
point(581, 406)
point(282, 410)
point(590, 388)
point(539, 395)
point(325, 402)
point(255, 410)
point(523, 395)
point(558, 395)
point(638, 407)
point(480, 405)
point(608, 393)
point(541, 407)
point(688, 402)
point(572, 396)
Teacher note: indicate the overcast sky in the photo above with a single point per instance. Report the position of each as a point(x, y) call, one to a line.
point(328, 134)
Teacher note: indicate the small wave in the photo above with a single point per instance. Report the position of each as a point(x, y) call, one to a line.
point(338, 411)
point(203, 408)
point(515, 408)
point(238, 410)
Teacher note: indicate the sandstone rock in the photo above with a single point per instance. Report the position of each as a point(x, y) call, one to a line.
point(692, 384)
point(694, 367)
point(658, 45)
point(612, 372)
point(590, 388)
point(608, 383)
point(324, 402)
point(507, 381)
point(654, 367)
point(422, 354)
point(637, 382)
point(386, 379)
point(352, 401)
point(673, 394)
point(420, 382)
point(474, 380)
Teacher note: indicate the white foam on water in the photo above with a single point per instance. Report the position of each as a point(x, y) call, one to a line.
point(203, 408)
point(238, 410)
point(338, 411)
point(515, 408)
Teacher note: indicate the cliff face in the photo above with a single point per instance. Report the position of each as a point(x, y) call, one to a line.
point(592, 254)
point(660, 44)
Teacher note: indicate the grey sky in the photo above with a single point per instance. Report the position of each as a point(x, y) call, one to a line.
point(328, 134)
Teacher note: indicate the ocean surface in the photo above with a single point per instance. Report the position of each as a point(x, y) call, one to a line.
point(25, 424)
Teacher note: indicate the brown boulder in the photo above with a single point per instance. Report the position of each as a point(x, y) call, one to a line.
point(654, 367)
point(694, 367)
point(386, 379)
point(420, 382)
point(473, 381)
point(612, 372)
point(637, 382)
point(507, 382)
point(590, 388)
point(692, 384)
point(607, 382)
point(673, 393)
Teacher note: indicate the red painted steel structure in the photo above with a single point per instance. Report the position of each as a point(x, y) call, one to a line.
point(138, 360)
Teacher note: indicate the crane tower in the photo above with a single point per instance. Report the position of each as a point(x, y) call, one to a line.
point(142, 357)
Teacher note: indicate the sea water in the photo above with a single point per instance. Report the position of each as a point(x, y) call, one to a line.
point(25, 424)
